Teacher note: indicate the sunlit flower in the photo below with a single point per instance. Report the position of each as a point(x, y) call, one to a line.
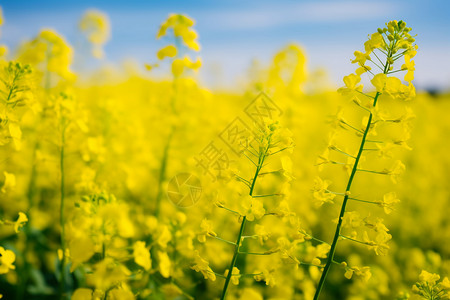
point(142, 255)
point(7, 258)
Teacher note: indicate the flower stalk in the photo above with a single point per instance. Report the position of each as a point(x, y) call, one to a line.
point(259, 166)
point(398, 37)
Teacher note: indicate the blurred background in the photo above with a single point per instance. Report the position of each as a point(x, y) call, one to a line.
point(233, 34)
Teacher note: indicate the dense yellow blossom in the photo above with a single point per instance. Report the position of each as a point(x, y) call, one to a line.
point(90, 164)
point(7, 258)
point(9, 182)
point(142, 255)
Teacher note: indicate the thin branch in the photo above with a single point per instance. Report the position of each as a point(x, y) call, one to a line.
point(374, 172)
point(220, 239)
point(350, 126)
point(377, 57)
point(340, 151)
point(353, 240)
point(268, 195)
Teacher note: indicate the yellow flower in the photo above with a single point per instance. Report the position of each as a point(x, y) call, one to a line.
point(3, 50)
point(194, 65)
point(82, 294)
point(396, 171)
point(379, 82)
point(445, 283)
point(142, 255)
point(95, 25)
point(252, 208)
point(169, 22)
point(7, 258)
point(167, 51)
point(164, 264)
point(351, 219)
point(362, 70)
point(360, 58)
point(410, 66)
point(10, 182)
point(48, 51)
point(266, 275)
point(320, 191)
point(16, 134)
point(206, 226)
point(322, 250)
point(351, 86)
point(393, 86)
point(429, 286)
point(201, 265)
point(107, 273)
point(430, 278)
point(283, 210)
point(20, 222)
point(364, 273)
point(389, 201)
point(375, 41)
point(81, 250)
point(179, 64)
point(164, 237)
point(323, 158)
point(120, 294)
point(234, 275)
point(380, 246)
point(262, 233)
point(181, 28)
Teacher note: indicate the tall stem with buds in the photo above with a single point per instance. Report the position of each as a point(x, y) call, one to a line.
point(398, 37)
point(262, 156)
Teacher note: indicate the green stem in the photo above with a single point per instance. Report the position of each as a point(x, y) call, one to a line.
point(13, 85)
point(165, 158)
point(341, 214)
point(162, 173)
point(233, 260)
point(346, 197)
point(241, 230)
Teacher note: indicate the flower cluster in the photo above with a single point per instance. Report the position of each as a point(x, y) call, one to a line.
point(183, 34)
point(96, 26)
point(429, 286)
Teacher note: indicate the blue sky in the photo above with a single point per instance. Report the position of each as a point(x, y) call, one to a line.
point(233, 33)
